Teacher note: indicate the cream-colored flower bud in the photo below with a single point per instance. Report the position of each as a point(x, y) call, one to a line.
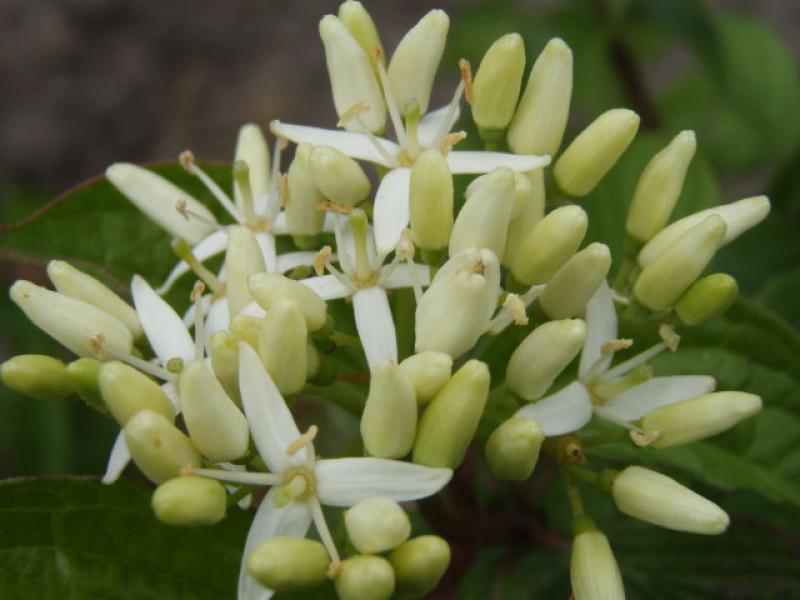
point(377, 524)
point(161, 200)
point(431, 200)
point(352, 77)
point(419, 565)
point(449, 422)
point(82, 328)
point(252, 149)
point(707, 298)
point(664, 280)
point(361, 26)
point(512, 450)
point(37, 376)
point(74, 283)
point(302, 216)
point(189, 501)
point(337, 176)
point(455, 310)
point(549, 245)
point(524, 191)
point(224, 352)
point(483, 220)
point(655, 498)
point(541, 117)
point(84, 376)
point(415, 61)
point(389, 420)
point(216, 425)
point(127, 391)
point(288, 564)
point(575, 283)
point(593, 570)
point(659, 187)
point(242, 259)
point(700, 417)
point(158, 448)
point(428, 372)
point(541, 356)
point(247, 328)
point(738, 216)
point(365, 577)
point(268, 288)
point(497, 85)
point(527, 212)
point(282, 345)
point(596, 149)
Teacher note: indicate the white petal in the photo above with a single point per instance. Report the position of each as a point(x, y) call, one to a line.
point(253, 310)
point(119, 459)
point(271, 423)
point(355, 145)
point(345, 244)
point(657, 392)
point(172, 393)
point(328, 287)
point(163, 327)
point(218, 318)
point(431, 124)
point(266, 241)
point(375, 325)
point(402, 276)
point(476, 161)
point(391, 212)
point(563, 412)
point(293, 520)
point(327, 226)
point(210, 246)
point(601, 327)
point(292, 260)
point(347, 481)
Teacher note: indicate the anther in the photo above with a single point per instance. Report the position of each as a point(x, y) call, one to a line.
point(643, 439)
point(97, 341)
point(186, 158)
point(352, 113)
point(321, 259)
point(516, 308)
point(342, 209)
point(466, 76)
point(613, 346)
point(450, 140)
point(669, 337)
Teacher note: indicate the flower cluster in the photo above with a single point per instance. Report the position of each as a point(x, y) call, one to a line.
point(204, 400)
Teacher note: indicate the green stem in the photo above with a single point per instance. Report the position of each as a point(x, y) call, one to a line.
point(584, 474)
point(575, 502)
point(604, 438)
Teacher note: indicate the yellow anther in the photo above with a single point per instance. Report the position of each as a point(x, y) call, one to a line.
point(197, 291)
point(613, 346)
point(187, 471)
point(186, 158)
point(450, 140)
point(466, 76)
point(321, 259)
point(181, 206)
point(342, 209)
point(669, 337)
point(352, 113)
point(97, 341)
point(283, 189)
point(405, 247)
point(334, 568)
point(643, 439)
point(516, 308)
point(303, 441)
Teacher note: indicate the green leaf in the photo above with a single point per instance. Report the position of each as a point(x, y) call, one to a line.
point(780, 293)
point(76, 538)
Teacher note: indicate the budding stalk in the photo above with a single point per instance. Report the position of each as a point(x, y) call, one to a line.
point(300, 204)
point(361, 26)
point(365, 576)
point(189, 501)
point(252, 149)
point(376, 525)
point(497, 84)
point(282, 346)
point(224, 351)
point(389, 420)
point(419, 565)
point(288, 564)
point(158, 448)
point(268, 288)
point(127, 391)
point(431, 201)
point(512, 450)
point(593, 569)
point(338, 177)
point(84, 376)
point(575, 283)
point(242, 259)
point(527, 212)
point(427, 372)
point(707, 298)
point(37, 376)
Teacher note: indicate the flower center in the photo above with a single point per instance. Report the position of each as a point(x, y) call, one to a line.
point(299, 484)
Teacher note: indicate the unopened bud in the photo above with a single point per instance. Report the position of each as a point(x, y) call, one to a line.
point(361, 26)
point(700, 417)
point(127, 391)
point(377, 524)
point(575, 283)
point(449, 422)
point(268, 288)
point(302, 216)
point(247, 328)
point(365, 577)
point(189, 501)
point(497, 85)
point(655, 498)
point(415, 61)
point(593, 570)
point(37, 376)
point(428, 372)
point(252, 149)
point(527, 212)
point(84, 375)
point(282, 346)
point(288, 564)
point(431, 201)
point(242, 259)
point(337, 176)
point(596, 149)
point(707, 298)
point(659, 187)
point(549, 245)
point(541, 117)
point(158, 448)
point(664, 280)
point(389, 420)
point(224, 351)
point(419, 565)
point(541, 356)
point(512, 450)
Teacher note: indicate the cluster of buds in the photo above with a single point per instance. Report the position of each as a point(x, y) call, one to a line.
point(264, 335)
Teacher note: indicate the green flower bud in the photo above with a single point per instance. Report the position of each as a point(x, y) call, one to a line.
point(365, 578)
point(82, 328)
point(415, 61)
point(247, 328)
point(377, 524)
point(288, 564)
point(76, 284)
point(242, 259)
point(302, 216)
point(282, 346)
point(449, 422)
point(361, 26)
point(596, 149)
point(527, 212)
point(190, 501)
point(428, 372)
point(389, 420)
point(84, 375)
point(664, 280)
point(224, 350)
point(575, 283)
point(216, 426)
point(267, 288)
point(593, 570)
point(419, 565)
point(659, 187)
point(252, 149)
point(431, 201)
point(655, 498)
point(483, 220)
point(158, 448)
point(337, 176)
point(541, 117)
point(313, 361)
point(497, 85)
point(541, 356)
point(37, 376)
point(700, 417)
point(513, 448)
point(127, 391)
point(707, 298)
point(549, 245)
